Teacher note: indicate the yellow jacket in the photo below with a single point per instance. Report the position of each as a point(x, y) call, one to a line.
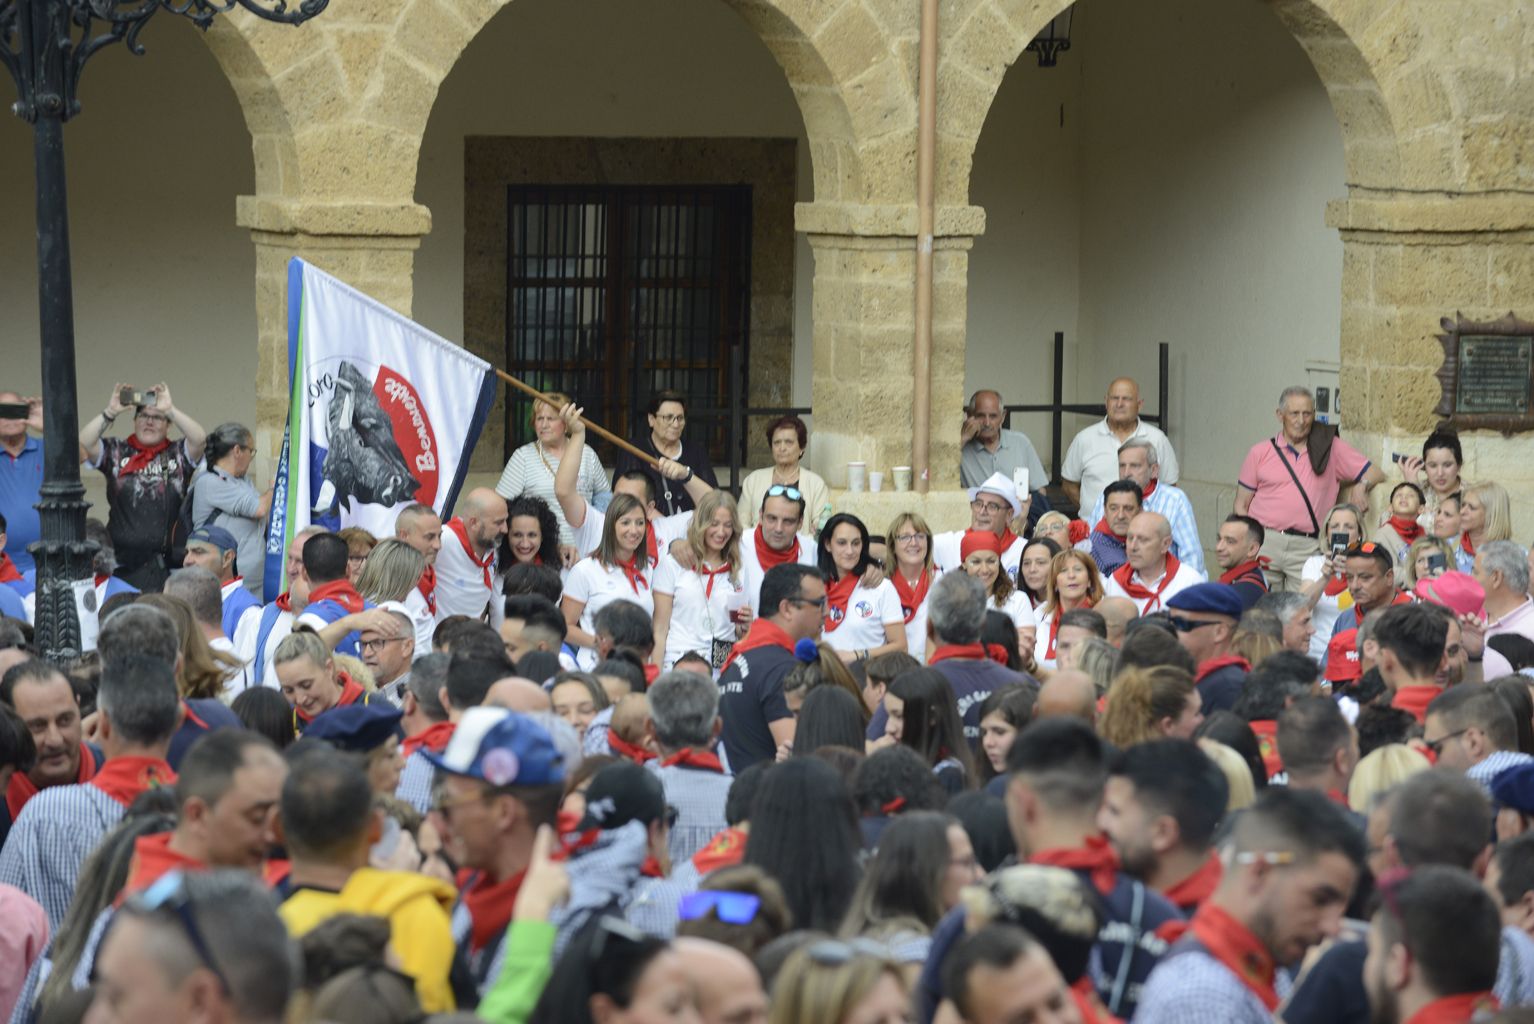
point(420, 930)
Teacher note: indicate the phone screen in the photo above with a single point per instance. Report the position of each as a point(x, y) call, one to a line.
point(1339, 542)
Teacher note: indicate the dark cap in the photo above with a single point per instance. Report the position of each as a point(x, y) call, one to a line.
point(621, 793)
point(1213, 598)
point(356, 727)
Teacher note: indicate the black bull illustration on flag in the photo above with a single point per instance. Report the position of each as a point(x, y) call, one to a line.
point(364, 463)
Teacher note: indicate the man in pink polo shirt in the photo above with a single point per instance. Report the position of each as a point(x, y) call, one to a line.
point(1279, 487)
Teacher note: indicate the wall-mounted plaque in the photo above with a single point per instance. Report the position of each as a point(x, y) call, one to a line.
point(1488, 374)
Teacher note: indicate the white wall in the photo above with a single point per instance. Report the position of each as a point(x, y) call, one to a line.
point(1182, 202)
point(164, 282)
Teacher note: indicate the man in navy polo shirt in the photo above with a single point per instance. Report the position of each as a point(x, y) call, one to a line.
point(21, 474)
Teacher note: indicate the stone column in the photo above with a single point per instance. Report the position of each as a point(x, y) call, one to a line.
point(864, 309)
point(369, 246)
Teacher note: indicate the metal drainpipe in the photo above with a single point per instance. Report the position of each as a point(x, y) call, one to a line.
point(926, 161)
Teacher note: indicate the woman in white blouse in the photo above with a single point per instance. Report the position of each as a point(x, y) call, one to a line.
point(531, 468)
point(1324, 583)
point(693, 606)
point(980, 551)
point(908, 565)
point(860, 622)
point(619, 569)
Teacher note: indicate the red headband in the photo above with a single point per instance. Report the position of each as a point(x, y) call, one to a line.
point(978, 540)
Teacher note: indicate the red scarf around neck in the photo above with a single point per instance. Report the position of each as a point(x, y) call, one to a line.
point(1095, 856)
point(634, 573)
point(912, 596)
point(341, 592)
point(284, 601)
point(21, 789)
point(689, 757)
point(709, 575)
point(1213, 665)
point(1054, 626)
point(976, 652)
point(434, 738)
point(1125, 573)
point(837, 596)
point(351, 692)
point(1466, 544)
point(763, 633)
point(152, 859)
point(1456, 1009)
point(142, 455)
point(1103, 528)
point(1190, 894)
point(1335, 585)
point(1149, 489)
point(490, 905)
point(1407, 529)
point(1236, 572)
point(1243, 954)
point(1415, 698)
point(124, 778)
point(623, 748)
point(427, 585)
point(725, 850)
point(8, 571)
point(484, 562)
point(767, 557)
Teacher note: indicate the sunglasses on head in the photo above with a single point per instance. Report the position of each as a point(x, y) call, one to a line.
point(785, 491)
point(836, 952)
point(729, 907)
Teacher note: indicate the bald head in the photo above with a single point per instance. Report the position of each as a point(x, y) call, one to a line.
point(729, 990)
point(1116, 612)
point(1147, 543)
point(517, 694)
point(1068, 693)
point(1123, 402)
point(484, 518)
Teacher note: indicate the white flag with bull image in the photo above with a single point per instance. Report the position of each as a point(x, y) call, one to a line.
point(381, 413)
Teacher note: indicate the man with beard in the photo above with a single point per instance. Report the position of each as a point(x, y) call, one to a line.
point(45, 702)
point(465, 567)
point(1294, 862)
point(1237, 551)
point(1432, 950)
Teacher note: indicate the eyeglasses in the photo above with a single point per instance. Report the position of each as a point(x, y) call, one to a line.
point(248, 448)
point(909, 538)
point(671, 418)
point(446, 807)
point(785, 491)
point(818, 602)
point(1183, 625)
point(1275, 858)
point(169, 895)
point(835, 952)
point(376, 645)
point(729, 907)
point(152, 417)
point(1436, 746)
point(988, 506)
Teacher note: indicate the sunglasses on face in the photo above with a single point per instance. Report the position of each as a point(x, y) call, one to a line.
point(729, 907)
point(1183, 625)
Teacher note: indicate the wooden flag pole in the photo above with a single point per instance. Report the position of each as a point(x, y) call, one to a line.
point(594, 428)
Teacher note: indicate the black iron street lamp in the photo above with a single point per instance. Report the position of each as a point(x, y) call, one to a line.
point(44, 44)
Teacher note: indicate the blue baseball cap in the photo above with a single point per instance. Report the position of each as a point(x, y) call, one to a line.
point(502, 748)
point(356, 727)
point(1213, 598)
point(215, 535)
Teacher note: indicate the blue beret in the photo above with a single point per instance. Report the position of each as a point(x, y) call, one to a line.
point(1214, 598)
point(357, 727)
point(1514, 787)
point(215, 535)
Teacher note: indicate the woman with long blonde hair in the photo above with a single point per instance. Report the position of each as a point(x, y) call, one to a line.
point(1073, 582)
point(693, 607)
point(204, 673)
point(391, 572)
point(1147, 704)
point(1485, 514)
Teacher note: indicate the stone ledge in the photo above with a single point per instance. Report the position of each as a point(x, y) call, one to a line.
point(943, 510)
point(288, 216)
point(877, 221)
point(1415, 213)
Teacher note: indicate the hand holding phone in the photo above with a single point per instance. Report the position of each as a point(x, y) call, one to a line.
point(1339, 543)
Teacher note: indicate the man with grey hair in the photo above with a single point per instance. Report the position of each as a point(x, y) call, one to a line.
point(1289, 480)
point(1502, 569)
point(238, 965)
point(139, 711)
point(387, 646)
point(201, 590)
point(956, 609)
point(1089, 463)
point(1138, 462)
point(986, 448)
point(1293, 611)
point(684, 726)
point(426, 726)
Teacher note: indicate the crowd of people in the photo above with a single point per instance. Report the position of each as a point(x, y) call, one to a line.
point(631, 749)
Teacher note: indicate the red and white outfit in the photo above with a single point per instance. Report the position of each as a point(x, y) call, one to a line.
point(858, 622)
point(597, 585)
point(421, 603)
point(913, 609)
point(587, 537)
point(946, 555)
point(700, 607)
point(466, 581)
point(1016, 607)
point(1151, 595)
point(754, 552)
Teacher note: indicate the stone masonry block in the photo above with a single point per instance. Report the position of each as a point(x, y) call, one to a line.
point(1512, 276)
point(851, 42)
point(986, 45)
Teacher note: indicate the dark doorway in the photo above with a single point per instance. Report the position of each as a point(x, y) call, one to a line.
point(616, 292)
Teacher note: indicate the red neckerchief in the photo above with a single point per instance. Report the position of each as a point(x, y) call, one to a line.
point(9, 572)
point(142, 455)
point(709, 576)
point(1124, 574)
point(1243, 954)
point(623, 748)
point(341, 592)
point(911, 597)
point(651, 868)
point(275, 871)
point(689, 758)
point(1237, 572)
point(890, 808)
point(725, 850)
point(1457, 1009)
point(1339, 798)
point(1006, 538)
point(1415, 698)
point(427, 585)
point(1149, 489)
point(1189, 894)
point(152, 858)
point(22, 789)
point(1335, 585)
point(634, 573)
point(351, 692)
point(124, 778)
point(767, 557)
point(456, 525)
point(651, 673)
point(978, 652)
point(1466, 544)
point(1077, 531)
point(96, 580)
point(1084, 994)
point(837, 596)
point(651, 544)
point(1266, 730)
point(284, 601)
point(1215, 664)
point(434, 738)
point(763, 633)
point(490, 905)
point(1407, 529)
point(1054, 632)
point(1096, 857)
point(1103, 528)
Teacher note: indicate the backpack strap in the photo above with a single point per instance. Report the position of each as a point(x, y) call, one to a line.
point(268, 623)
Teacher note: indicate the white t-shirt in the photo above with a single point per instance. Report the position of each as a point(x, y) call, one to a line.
point(425, 622)
point(1042, 615)
point(868, 611)
point(1092, 460)
point(916, 629)
point(461, 582)
point(597, 586)
point(1185, 577)
point(1327, 610)
point(247, 637)
point(238, 680)
point(751, 567)
point(945, 552)
point(587, 537)
point(1017, 607)
point(700, 614)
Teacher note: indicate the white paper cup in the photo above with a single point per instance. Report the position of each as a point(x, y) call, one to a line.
point(902, 478)
point(857, 476)
point(875, 480)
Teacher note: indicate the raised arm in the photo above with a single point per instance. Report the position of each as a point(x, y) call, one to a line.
point(90, 433)
point(190, 428)
point(567, 477)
